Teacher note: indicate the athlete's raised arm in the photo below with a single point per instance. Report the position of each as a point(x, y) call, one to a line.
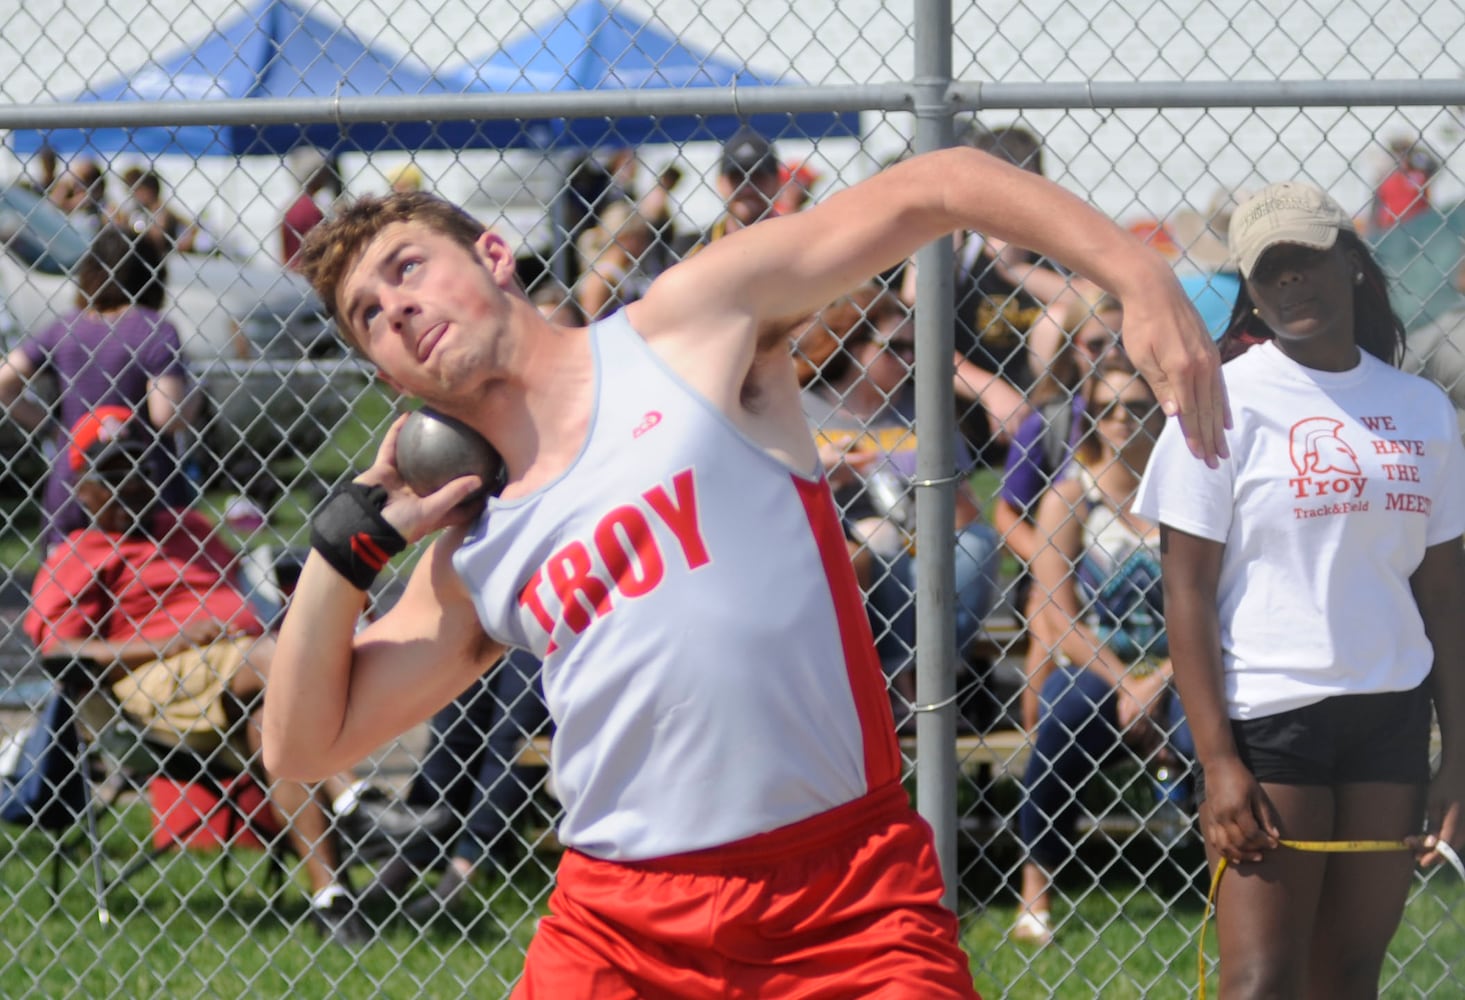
point(789, 266)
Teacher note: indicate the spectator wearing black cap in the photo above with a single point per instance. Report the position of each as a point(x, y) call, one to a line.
point(748, 180)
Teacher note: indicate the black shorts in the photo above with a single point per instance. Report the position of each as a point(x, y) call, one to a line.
point(1344, 740)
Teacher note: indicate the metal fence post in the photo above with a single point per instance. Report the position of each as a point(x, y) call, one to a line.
point(935, 460)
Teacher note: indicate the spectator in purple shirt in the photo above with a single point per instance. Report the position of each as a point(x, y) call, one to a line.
point(113, 349)
point(860, 409)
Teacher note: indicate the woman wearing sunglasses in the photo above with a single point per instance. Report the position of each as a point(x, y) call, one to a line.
point(1098, 607)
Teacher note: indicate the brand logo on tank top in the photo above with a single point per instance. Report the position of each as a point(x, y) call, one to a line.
point(623, 558)
point(652, 418)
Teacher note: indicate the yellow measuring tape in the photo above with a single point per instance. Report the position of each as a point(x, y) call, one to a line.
point(1317, 847)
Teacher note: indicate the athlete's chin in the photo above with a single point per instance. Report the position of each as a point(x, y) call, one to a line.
point(454, 382)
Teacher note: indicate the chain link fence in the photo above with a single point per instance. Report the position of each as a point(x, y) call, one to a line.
point(202, 135)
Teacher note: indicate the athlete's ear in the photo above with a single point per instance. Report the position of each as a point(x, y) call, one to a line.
point(497, 256)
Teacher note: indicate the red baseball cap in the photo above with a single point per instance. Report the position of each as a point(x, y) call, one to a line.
point(101, 434)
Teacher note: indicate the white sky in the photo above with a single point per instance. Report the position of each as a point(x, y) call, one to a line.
point(1132, 163)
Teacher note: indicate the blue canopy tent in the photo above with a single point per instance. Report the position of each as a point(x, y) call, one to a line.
point(595, 46)
point(276, 49)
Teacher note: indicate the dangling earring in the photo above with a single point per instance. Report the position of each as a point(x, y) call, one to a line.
point(1358, 278)
point(1254, 311)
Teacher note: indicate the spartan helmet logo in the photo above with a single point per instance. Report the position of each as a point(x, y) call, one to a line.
point(1317, 449)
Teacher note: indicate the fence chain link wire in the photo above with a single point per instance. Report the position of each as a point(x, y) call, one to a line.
point(202, 131)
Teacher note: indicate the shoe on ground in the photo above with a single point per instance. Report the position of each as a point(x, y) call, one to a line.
point(378, 827)
point(394, 881)
point(339, 923)
point(1034, 927)
point(451, 891)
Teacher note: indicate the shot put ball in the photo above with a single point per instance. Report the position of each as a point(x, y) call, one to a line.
point(433, 450)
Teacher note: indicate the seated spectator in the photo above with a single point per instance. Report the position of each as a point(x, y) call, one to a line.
point(860, 409)
point(144, 212)
point(1042, 330)
point(615, 262)
point(1420, 246)
point(590, 188)
point(115, 349)
point(748, 183)
point(1403, 194)
point(1002, 295)
point(991, 407)
point(1002, 289)
point(1038, 456)
point(81, 192)
point(657, 206)
point(467, 788)
point(148, 594)
point(1099, 576)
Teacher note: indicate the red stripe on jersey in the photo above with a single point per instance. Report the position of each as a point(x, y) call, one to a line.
point(867, 681)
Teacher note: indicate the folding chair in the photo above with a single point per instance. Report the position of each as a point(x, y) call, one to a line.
point(48, 787)
point(134, 757)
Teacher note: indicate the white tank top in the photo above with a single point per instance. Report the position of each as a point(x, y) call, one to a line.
point(707, 659)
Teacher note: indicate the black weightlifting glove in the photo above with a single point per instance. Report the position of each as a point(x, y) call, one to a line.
point(349, 532)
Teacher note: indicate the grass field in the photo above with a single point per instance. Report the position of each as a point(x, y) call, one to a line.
point(178, 932)
point(175, 933)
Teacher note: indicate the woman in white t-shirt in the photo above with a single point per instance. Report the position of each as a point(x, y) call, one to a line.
point(1312, 582)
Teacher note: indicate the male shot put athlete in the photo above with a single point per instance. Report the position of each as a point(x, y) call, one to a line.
point(667, 546)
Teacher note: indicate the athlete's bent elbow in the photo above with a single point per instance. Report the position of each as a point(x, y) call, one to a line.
point(284, 761)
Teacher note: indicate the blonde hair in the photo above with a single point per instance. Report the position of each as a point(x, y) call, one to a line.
point(618, 221)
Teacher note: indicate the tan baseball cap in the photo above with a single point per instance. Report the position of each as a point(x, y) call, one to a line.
point(1286, 212)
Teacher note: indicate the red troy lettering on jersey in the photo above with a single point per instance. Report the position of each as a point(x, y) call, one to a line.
point(628, 547)
point(681, 516)
point(572, 577)
point(529, 598)
point(627, 559)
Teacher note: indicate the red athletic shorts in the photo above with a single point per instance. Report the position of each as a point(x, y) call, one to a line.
point(846, 904)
